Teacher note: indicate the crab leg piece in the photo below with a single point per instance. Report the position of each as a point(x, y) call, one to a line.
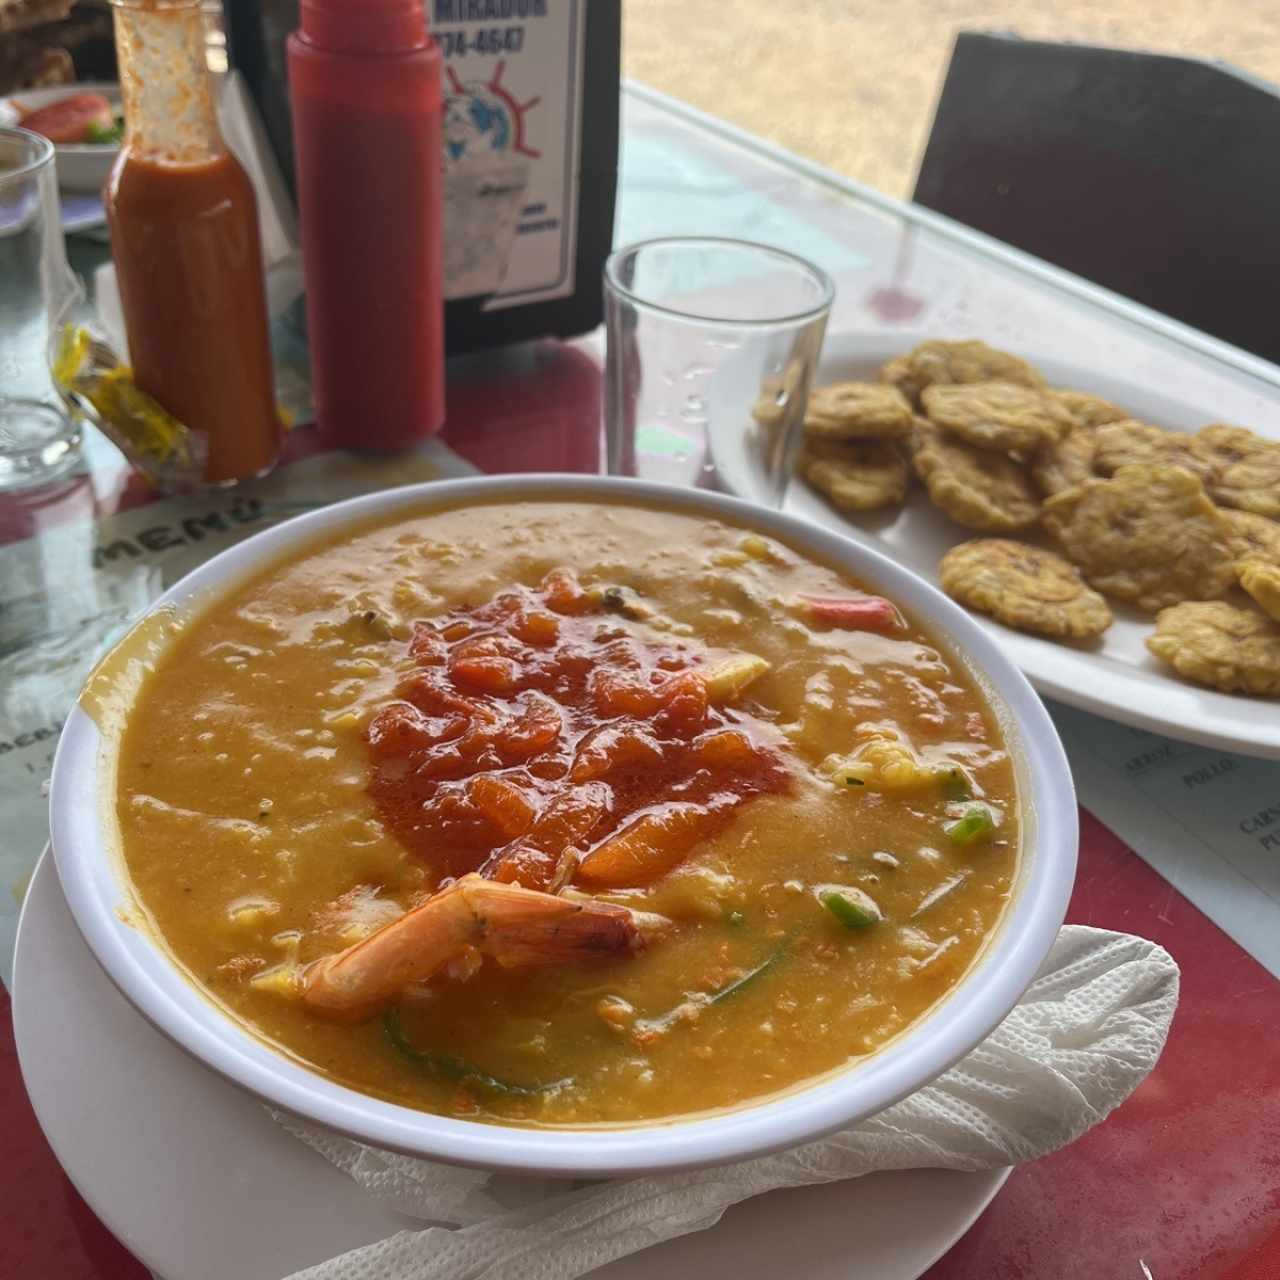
point(514, 925)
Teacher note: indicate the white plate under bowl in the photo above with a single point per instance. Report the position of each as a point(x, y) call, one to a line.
point(1115, 676)
point(193, 1177)
point(99, 896)
point(82, 167)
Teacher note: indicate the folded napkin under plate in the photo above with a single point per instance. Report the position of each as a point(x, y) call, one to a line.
point(1086, 1033)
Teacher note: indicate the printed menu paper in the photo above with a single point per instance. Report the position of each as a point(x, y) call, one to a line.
point(1206, 820)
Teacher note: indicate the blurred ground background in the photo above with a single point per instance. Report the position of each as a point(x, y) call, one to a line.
point(853, 83)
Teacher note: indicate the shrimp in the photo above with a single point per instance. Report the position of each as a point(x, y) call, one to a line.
point(515, 926)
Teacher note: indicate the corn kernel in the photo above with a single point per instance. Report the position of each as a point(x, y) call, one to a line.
point(728, 678)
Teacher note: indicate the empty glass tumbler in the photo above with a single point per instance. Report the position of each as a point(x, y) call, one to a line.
point(37, 290)
point(712, 347)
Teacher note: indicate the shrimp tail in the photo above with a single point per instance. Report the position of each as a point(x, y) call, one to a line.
point(517, 927)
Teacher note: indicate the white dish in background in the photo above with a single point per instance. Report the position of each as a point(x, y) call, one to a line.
point(125, 1111)
point(1116, 678)
point(82, 212)
point(82, 167)
point(100, 898)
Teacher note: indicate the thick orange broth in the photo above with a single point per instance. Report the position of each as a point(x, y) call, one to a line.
point(813, 826)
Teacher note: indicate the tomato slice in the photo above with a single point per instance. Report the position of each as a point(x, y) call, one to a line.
point(566, 821)
point(68, 120)
point(505, 805)
point(648, 848)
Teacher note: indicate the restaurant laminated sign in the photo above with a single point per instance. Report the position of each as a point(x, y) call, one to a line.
point(512, 129)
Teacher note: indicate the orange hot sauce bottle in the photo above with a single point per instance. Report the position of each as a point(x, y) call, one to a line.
point(184, 236)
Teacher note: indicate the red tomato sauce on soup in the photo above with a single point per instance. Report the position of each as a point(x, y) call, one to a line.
point(535, 729)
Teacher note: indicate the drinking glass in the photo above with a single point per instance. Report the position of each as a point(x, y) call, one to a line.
point(37, 289)
point(712, 346)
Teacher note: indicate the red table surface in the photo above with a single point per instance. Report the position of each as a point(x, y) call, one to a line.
point(1184, 1178)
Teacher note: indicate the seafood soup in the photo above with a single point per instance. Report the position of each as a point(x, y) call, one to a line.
point(565, 813)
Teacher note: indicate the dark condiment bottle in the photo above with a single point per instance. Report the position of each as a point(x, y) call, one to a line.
point(364, 86)
point(187, 251)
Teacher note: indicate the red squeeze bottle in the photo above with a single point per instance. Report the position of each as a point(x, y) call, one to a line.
point(364, 84)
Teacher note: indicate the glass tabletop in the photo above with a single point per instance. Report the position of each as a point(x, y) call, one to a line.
point(80, 557)
point(902, 268)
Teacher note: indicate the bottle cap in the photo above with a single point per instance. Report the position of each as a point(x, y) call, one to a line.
point(365, 26)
